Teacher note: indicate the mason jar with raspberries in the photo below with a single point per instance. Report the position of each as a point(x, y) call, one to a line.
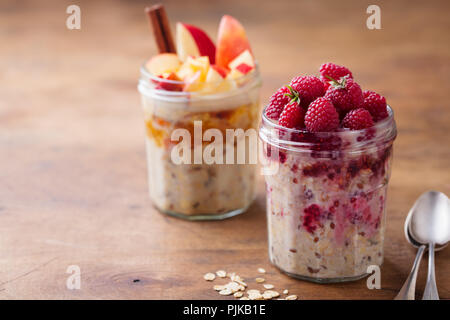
point(331, 145)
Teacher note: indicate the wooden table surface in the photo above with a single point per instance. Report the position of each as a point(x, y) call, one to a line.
point(73, 184)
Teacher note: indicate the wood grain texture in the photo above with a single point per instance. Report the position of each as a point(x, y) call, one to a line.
point(73, 186)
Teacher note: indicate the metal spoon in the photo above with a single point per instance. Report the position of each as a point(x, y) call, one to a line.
point(428, 222)
point(431, 225)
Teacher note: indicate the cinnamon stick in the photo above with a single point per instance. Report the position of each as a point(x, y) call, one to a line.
point(161, 28)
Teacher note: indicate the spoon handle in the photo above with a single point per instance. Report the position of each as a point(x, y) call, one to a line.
point(407, 292)
point(431, 292)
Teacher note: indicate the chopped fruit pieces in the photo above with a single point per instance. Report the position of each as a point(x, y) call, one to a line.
point(277, 102)
point(321, 116)
point(235, 74)
point(244, 68)
point(163, 63)
point(231, 41)
point(375, 104)
point(357, 119)
point(193, 82)
point(292, 116)
point(194, 65)
point(345, 94)
point(169, 85)
point(214, 75)
point(334, 71)
point(222, 71)
point(194, 42)
point(308, 88)
point(245, 57)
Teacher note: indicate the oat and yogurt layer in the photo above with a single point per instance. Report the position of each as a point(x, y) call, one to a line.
point(216, 87)
point(326, 203)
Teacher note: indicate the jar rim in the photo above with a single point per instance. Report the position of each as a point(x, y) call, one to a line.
point(281, 137)
point(249, 79)
point(380, 123)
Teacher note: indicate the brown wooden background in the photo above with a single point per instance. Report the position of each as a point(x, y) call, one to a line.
point(73, 186)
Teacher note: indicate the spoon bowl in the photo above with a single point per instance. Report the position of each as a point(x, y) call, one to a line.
point(427, 225)
point(429, 221)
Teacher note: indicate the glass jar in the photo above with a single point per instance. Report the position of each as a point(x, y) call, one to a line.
point(197, 189)
point(326, 200)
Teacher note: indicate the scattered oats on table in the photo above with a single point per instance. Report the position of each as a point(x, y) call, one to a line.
point(221, 274)
point(225, 292)
point(291, 297)
point(253, 291)
point(255, 296)
point(259, 280)
point(209, 276)
point(233, 286)
point(285, 291)
point(261, 270)
point(273, 294)
point(268, 286)
point(238, 294)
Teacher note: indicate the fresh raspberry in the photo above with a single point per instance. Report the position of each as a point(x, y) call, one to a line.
point(375, 104)
point(309, 88)
point(345, 94)
point(277, 102)
point(321, 116)
point(334, 71)
point(357, 119)
point(311, 217)
point(292, 116)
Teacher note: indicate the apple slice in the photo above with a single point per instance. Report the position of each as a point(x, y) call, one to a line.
point(244, 68)
point(231, 41)
point(234, 74)
point(168, 85)
point(192, 41)
point(216, 74)
point(193, 82)
point(244, 58)
point(163, 63)
point(193, 65)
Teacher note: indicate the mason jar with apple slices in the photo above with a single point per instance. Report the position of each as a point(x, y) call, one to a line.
point(199, 191)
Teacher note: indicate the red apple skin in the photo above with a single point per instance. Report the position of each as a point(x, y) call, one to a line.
point(204, 43)
point(231, 41)
point(168, 86)
point(221, 70)
point(244, 68)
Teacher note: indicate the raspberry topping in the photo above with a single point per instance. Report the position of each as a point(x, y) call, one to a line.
point(311, 218)
point(345, 94)
point(277, 102)
point(357, 119)
point(308, 88)
point(321, 116)
point(334, 71)
point(292, 116)
point(375, 104)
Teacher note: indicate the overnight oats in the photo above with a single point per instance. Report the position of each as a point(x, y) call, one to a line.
point(331, 145)
point(186, 94)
